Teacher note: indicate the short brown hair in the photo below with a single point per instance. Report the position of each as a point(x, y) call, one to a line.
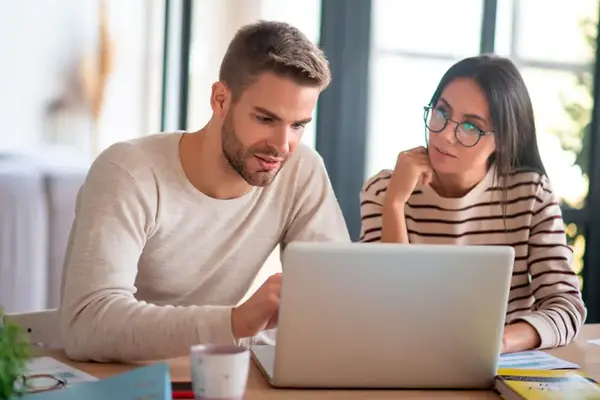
point(276, 47)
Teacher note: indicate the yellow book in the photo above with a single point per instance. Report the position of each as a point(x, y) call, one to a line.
point(523, 384)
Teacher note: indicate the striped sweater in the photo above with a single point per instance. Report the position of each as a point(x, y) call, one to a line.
point(544, 290)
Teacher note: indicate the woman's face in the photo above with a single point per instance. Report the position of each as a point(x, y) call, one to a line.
point(462, 102)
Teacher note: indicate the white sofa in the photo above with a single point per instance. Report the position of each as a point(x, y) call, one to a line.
point(36, 211)
point(23, 236)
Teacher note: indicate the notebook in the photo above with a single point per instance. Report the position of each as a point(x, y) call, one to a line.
point(150, 382)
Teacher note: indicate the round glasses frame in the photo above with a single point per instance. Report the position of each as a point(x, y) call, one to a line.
point(29, 383)
point(480, 133)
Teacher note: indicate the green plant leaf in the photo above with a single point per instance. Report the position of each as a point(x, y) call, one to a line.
point(14, 353)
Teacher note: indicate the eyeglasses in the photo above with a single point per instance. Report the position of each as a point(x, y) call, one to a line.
point(37, 383)
point(466, 133)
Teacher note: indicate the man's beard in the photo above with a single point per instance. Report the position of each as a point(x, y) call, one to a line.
point(236, 155)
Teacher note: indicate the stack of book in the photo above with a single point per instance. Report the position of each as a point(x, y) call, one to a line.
point(523, 384)
point(535, 375)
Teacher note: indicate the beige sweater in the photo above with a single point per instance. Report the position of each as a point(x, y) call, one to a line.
point(153, 266)
point(545, 290)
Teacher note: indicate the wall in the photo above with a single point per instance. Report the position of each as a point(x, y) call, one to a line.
point(42, 44)
point(34, 60)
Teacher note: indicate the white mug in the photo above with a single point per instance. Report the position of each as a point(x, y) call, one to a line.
point(219, 371)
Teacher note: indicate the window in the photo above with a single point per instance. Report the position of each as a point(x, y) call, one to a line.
point(576, 239)
point(557, 67)
point(427, 27)
point(559, 132)
point(408, 58)
point(211, 36)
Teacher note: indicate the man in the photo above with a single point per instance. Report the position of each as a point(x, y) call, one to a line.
point(170, 230)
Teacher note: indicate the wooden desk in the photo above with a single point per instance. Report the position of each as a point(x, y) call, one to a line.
point(580, 352)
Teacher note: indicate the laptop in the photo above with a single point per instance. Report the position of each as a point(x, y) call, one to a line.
point(384, 315)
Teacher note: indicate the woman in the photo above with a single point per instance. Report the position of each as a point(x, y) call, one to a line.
point(481, 181)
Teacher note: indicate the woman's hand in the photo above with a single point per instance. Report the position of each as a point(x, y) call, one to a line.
point(411, 166)
point(519, 336)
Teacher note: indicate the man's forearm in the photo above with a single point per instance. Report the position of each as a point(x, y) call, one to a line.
point(393, 223)
point(125, 330)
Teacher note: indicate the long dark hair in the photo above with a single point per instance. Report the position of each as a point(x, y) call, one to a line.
point(510, 110)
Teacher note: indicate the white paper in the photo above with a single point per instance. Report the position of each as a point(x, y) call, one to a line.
point(533, 360)
point(594, 341)
point(50, 366)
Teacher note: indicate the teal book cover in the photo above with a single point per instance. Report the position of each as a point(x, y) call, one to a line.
point(146, 383)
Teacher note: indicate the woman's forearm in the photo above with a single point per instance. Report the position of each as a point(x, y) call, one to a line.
point(393, 223)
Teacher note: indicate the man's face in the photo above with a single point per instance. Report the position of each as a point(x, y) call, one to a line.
point(262, 129)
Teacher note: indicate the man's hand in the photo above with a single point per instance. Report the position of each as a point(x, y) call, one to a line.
point(260, 311)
